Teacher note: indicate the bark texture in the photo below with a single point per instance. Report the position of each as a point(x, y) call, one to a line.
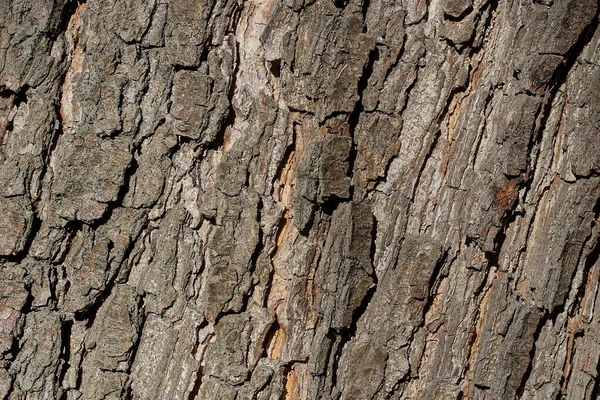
point(299, 199)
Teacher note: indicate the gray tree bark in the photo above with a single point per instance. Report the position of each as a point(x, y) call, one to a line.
point(299, 199)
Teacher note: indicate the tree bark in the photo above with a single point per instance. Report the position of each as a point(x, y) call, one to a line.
point(299, 199)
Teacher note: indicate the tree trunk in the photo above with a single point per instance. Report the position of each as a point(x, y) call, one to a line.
point(299, 199)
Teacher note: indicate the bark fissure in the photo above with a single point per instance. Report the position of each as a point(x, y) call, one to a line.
point(349, 200)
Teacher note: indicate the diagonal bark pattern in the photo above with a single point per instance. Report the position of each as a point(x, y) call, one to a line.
point(299, 199)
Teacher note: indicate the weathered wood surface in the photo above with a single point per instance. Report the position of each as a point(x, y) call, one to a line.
point(299, 199)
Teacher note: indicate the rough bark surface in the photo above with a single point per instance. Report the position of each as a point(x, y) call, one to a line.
point(299, 199)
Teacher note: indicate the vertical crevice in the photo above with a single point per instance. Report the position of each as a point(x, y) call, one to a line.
point(527, 374)
point(354, 116)
point(558, 79)
point(65, 353)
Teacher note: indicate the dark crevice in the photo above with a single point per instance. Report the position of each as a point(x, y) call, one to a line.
point(229, 120)
point(16, 344)
point(383, 178)
point(305, 231)
point(15, 347)
point(338, 342)
point(567, 374)
point(557, 309)
point(493, 256)
point(458, 47)
point(123, 190)
point(547, 3)
point(490, 7)
point(283, 221)
point(149, 25)
point(410, 87)
point(140, 319)
point(397, 389)
point(394, 64)
point(590, 261)
point(469, 240)
point(270, 336)
point(332, 116)
point(67, 12)
point(18, 97)
point(258, 250)
point(484, 283)
point(438, 274)
point(365, 10)
point(330, 204)
point(58, 132)
point(285, 161)
point(345, 335)
point(538, 330)
point(596, 389)
point(468, 44)
point(341, 3)
point(180, 142)
point(235, 16)
point(19, 257)
point(362, 85)
point(481, 133)
point(562, 71)
point(434, 281)
point(90, 311)
point(36, 222)
point(426, 159)
point(559, 305)
point(481, 387)
point(259, 247)
point(293, 109)
point(124, 274)
point(48, 150)
point(472, 44)
point(479, 313)
point(11, 389)
point(354, 116)
point(196, 389)
point(199, 328)
point(559, 77)
point(434, 142)
point(47, 153)
point(542, 115)
point(65, 352)
point(459, 17)
point(275, 68)
point(286, 370)
point(373, 247)
point(506, 220)
point(52, 283)
point(457, 90)
point(205, 50)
